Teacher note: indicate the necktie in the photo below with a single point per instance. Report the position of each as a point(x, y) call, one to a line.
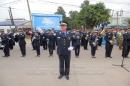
point(64, 33)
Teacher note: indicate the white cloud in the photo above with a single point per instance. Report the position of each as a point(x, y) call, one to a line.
point(47, 21)
point(39, 6)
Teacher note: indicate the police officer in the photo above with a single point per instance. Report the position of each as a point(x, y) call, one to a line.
point(16, 37)
point(109, 38)
point(51, 42)
point(126, 44)
point(32, 36)
point(54, 42)
point(76, 44)
point(73, 36)
point(11, 40)
point(63, 51)
point(120, 39)
point(22, 44)
point(85, 39)
point(36, 42)
point(93, 43)
point(100, 39)
point(43, 39)
point(5, 43)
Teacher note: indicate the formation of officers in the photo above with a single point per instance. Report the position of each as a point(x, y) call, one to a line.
point(64, 41)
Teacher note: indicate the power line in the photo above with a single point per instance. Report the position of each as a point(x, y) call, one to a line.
point(61, 3)
point(115, 2)
point(10, 2)
point(18, 9)
point(12, 8)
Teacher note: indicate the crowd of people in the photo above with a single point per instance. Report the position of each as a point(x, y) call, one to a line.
point(64, 41)
point(48, 40)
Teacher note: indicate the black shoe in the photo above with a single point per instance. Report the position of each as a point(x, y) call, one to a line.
point(93, 57)
point(67, 77)
point(51, 55)
point(106, 56)
point(126, 57)
point(76, 56)
point(23, 55)
point(38, 55)
point(60, 77)
point(5, 56)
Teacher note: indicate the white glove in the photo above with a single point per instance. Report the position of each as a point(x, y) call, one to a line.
point(94, 43)
point(70, 48)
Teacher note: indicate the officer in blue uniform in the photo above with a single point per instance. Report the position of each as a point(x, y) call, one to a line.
point(77, 43)
point(51, 42)
point(36, 43)
point(33, 45)
point(5, 43)
point(100, 40)
point(11, 40)
point(63, 51)
point(109, 43)
point(22, 44)
point(126, 44)
point(73, 36)
point(43, 40)
point(85, 39)
point(93, 43)
point(54, 42)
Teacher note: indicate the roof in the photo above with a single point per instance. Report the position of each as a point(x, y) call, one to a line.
point(17, 22)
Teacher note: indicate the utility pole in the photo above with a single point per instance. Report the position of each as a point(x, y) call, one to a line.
point(119, 14)
point(11, 16)
point(30, 14)
point(117, 19)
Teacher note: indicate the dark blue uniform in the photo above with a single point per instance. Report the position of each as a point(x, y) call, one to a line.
point(126, 45)
point(51, 43)
point(43, 40)
point(76, 44)
point(22, 44)
point(16, 38)
point(63, 43)
point(54, 42)
point(36, 43)
point(109, 45)
point(11, 40)
point(73, 38)
point(5, 43)
point(85, 39)
point(100, 40)
point(93, 43)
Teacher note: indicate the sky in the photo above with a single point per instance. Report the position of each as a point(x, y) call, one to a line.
point(19, 7)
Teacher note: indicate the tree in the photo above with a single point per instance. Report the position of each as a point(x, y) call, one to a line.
point(73, 19)
point(89, 16)
point(85, 3)
point(61, 11)
point(129, 22)
point(94, 14)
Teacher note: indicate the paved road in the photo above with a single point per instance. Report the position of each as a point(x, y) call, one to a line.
point(43, 70)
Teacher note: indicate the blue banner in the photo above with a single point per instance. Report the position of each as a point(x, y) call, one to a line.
point(44, 21)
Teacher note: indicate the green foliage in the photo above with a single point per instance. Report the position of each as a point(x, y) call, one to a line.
point(94, 14)
point(85, 3)
point(129, 21)
point(61, 11)
point(89, 16)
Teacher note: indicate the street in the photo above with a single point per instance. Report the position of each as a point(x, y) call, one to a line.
point(44, 70)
